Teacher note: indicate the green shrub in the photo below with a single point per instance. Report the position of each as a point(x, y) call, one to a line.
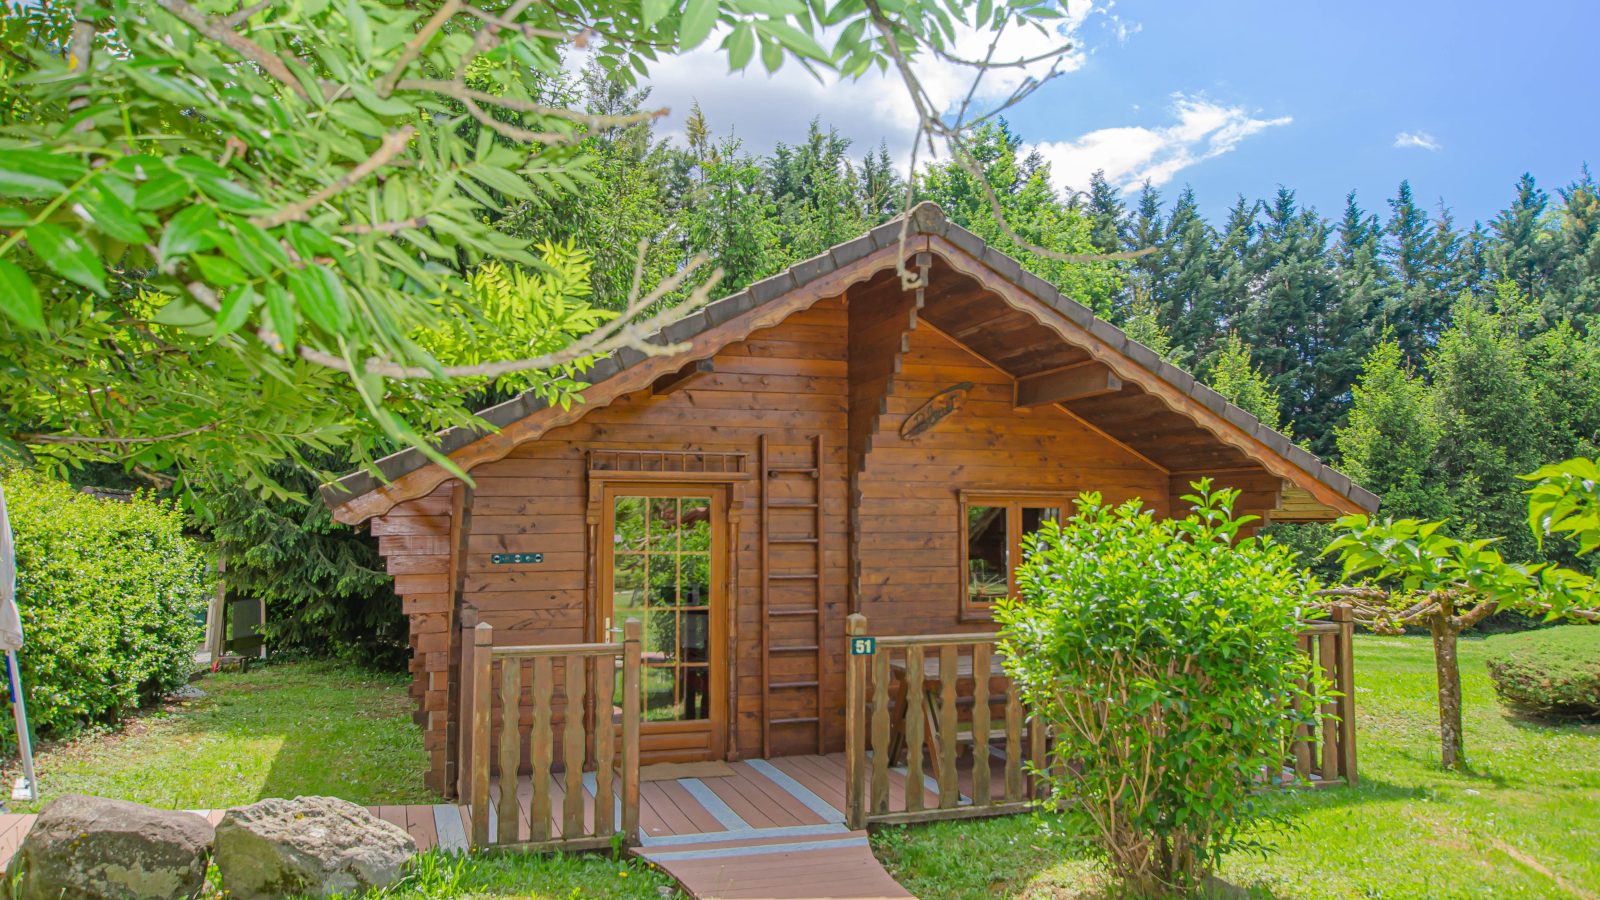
point(1553, 671)
point(112, 597)
point(1163, 655)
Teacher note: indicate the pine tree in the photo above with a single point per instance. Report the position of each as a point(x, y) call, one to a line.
point(324, 584)
point(1235, 376)
point(1389, 444)
point(1416, 307)
point(1107, 215)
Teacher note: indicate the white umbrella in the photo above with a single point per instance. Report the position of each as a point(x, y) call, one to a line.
point(11, 641)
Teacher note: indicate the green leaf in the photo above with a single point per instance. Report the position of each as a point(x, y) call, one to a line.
point(31, 173)
point(219, 271)
point(110, 216)
point(771, 55)
point(162, 190)
point(360, 28)
point(181, 313)
point(654, 10)
point(311, 295)
point(185, 232)
point(280, 309)
point(380, 105)
point(68, 256)
point(196, 166)
point(19, 299)
point(800, 43)
point(232, 196)
point(699, 17)
point(740, 44)
point(236, 308)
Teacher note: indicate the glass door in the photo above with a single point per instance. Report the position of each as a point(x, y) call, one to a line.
point(663, 566)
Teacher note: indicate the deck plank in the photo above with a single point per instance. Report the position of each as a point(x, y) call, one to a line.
point(754, 781)
point(672, 817)
point(702, 820)
point(420, 825)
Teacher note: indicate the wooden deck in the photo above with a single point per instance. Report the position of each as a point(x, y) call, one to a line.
point(772, 829)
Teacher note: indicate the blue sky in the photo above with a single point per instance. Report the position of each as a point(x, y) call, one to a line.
point(1240, 96)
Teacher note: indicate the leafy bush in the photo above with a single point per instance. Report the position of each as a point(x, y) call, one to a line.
point(1162, 653)
point(1555, 671)
point(112, 597)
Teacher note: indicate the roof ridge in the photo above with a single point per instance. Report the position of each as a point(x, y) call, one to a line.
point(926, 217)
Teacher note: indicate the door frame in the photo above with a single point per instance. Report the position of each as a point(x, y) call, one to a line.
point(716, 726)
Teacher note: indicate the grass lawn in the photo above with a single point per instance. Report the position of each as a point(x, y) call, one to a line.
point(309, 728)
point(1522, 821)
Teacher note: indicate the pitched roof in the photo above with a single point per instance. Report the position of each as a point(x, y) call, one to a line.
point(925, 219)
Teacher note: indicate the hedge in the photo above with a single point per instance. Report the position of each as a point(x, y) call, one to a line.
point(112, 598)
point(1553, 671)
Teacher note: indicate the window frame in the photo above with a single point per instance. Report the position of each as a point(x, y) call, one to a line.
point(968, 612)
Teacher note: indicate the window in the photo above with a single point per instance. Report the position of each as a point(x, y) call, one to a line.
point(993, 528)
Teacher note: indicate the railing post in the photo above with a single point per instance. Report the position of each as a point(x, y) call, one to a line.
point(1347, 686)
point(463, 702)
point(632, 634)
point(482, 695)
point(855, 735)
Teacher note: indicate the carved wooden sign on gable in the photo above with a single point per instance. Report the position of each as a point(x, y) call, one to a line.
point(939, 407)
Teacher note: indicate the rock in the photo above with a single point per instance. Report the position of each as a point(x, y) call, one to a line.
point(309, 845)
point(91, 848)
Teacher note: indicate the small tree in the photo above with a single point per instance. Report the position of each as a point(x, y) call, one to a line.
point(1416, 575)
point(1163, 655)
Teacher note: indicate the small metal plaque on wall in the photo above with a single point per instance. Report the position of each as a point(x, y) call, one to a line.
point(504, 558)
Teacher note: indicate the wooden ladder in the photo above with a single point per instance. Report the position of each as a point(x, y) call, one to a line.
point(817, 614)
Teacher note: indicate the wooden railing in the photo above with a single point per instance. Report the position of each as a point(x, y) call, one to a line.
point(889, 710)
point(912, 709)
point(1326, 752)
point(589, 734)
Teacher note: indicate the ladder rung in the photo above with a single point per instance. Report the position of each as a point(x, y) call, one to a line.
point(788, 577)
point(791, 540)
point(791, 506)
point(793, 612)
point(800, 648)
point(790, 470)
point(792, 684)
point(795, 721)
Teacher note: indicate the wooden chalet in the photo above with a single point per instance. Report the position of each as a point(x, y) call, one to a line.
point(828, 444)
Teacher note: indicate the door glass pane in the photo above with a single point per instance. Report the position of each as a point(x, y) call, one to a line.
point(661, 575)
point(987, 548)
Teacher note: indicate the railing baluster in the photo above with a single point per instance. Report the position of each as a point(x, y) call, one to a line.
point(949, 795)
point(632, 633)
point(510, 748)
point(605, 751)
point(1327, 655)
point(1013, 743)
point(914, 729)
point(572, 805)
point(544, 684)
point(980, 724)
point(880, 731)
point(1347, 687)
point(1036, 737)
point(1302, 733)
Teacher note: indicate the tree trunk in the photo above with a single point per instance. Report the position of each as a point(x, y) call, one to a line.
point(1452, 742)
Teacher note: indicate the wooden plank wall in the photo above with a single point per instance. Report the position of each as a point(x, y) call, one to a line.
point(910, 513)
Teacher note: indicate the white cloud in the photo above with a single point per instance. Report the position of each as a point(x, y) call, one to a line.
point(1132, 154)
point(763, 109)
point(1417, 139)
